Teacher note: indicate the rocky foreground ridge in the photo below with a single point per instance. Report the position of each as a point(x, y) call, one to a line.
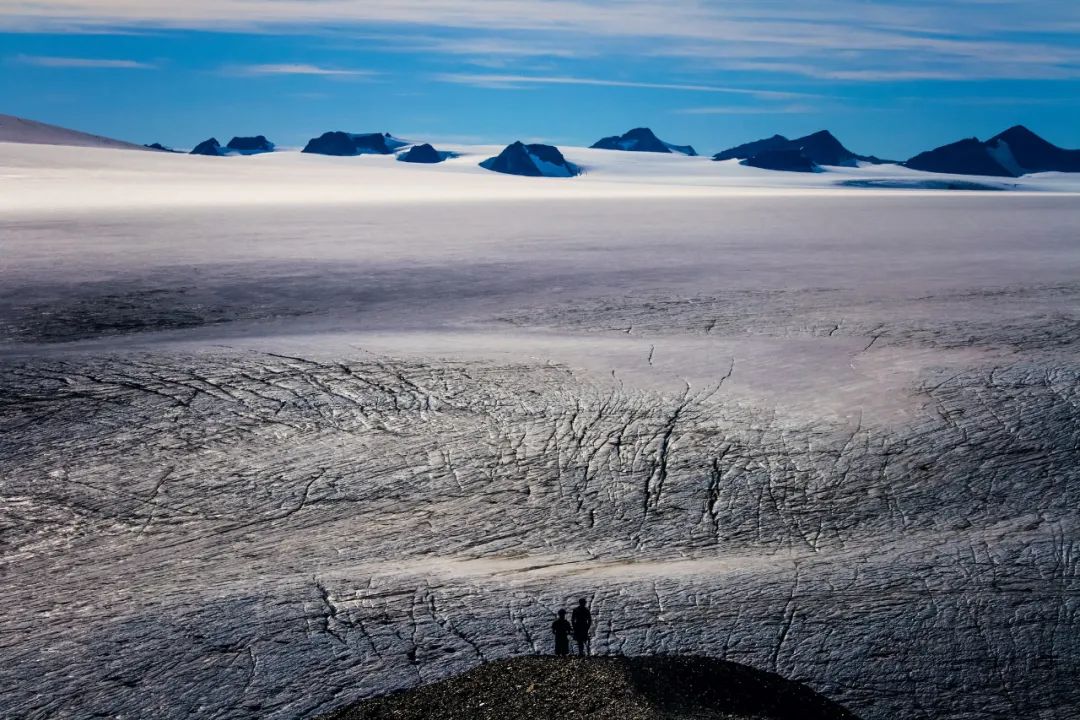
point(615, 688)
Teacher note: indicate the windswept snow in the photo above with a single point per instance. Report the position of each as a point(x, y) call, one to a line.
point(36, 178)
point(285, 431)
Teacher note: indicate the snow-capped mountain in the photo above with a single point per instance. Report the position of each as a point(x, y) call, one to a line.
point(344, 144)
point(1012, 153)
point(642, 140)
point(532, 161)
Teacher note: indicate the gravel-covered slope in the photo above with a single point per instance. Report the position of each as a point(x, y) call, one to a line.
point(656, 688)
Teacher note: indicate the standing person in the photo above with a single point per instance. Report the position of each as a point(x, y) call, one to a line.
point(582, 620)
point(562, 629)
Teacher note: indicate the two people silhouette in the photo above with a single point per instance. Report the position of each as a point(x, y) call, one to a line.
point(579, 626)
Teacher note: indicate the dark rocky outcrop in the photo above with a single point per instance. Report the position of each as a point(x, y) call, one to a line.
point(159, 147)
point(1012, 153)
point(964, 157)
point(789, 159)
point(1032, 153)
point(531, 161)
point(422, 154)
point(822, 148)
point(641, 140)
point(606, 688)
point(750, 149)
point(209, 147)
point(250, 145)
point(344, 144)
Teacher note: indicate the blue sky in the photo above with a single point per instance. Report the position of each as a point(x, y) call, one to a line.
point(889, 78)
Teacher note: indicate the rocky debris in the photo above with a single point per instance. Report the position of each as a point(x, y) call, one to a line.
point(821, 148)
point(790, 160)
point(607, 688)
point(1012, 153)
point(533, 160)
point(641, 140)
point(209, 147)
point(250, 145)
point(347, 144)
point(422, 154)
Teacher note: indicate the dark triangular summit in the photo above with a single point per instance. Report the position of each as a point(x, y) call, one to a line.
point(641, 139)
point(1011, 153)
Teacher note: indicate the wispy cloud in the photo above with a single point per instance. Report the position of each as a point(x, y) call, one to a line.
point(849, 40)
point(51, 61)
point(520, 81)
point(796, 109)
point(296, 69)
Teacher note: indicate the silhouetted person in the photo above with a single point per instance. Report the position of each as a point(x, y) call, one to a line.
point(582, 620)
point(562, 630)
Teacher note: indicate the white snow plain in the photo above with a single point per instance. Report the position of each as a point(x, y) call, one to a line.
point(284, 431)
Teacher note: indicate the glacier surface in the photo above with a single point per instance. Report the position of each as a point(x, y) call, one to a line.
point(295, 431)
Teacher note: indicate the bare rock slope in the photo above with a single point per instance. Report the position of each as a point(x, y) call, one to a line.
point(615, 688)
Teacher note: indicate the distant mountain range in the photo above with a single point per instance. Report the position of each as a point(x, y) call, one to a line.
point(641, 140)
point(1015, 152)
point(237, 146)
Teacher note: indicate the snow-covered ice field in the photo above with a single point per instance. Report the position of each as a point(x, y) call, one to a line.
point(285, 431)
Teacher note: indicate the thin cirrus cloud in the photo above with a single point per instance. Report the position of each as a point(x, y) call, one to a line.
point(52, 61)
point(297, 69)
point(794, 109)
point(496, 81)
point(848, 40)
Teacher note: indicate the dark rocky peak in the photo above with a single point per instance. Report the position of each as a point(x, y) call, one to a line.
point(343, 143)
point(533, 160)
point(747, 150)
point(964, 157)
point(209, 147)
point(823, 148)
point(250, 145)
point(1022, 151)
point(641, 140)
point(159, 147)
point(786, 159)
point(422, 154)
